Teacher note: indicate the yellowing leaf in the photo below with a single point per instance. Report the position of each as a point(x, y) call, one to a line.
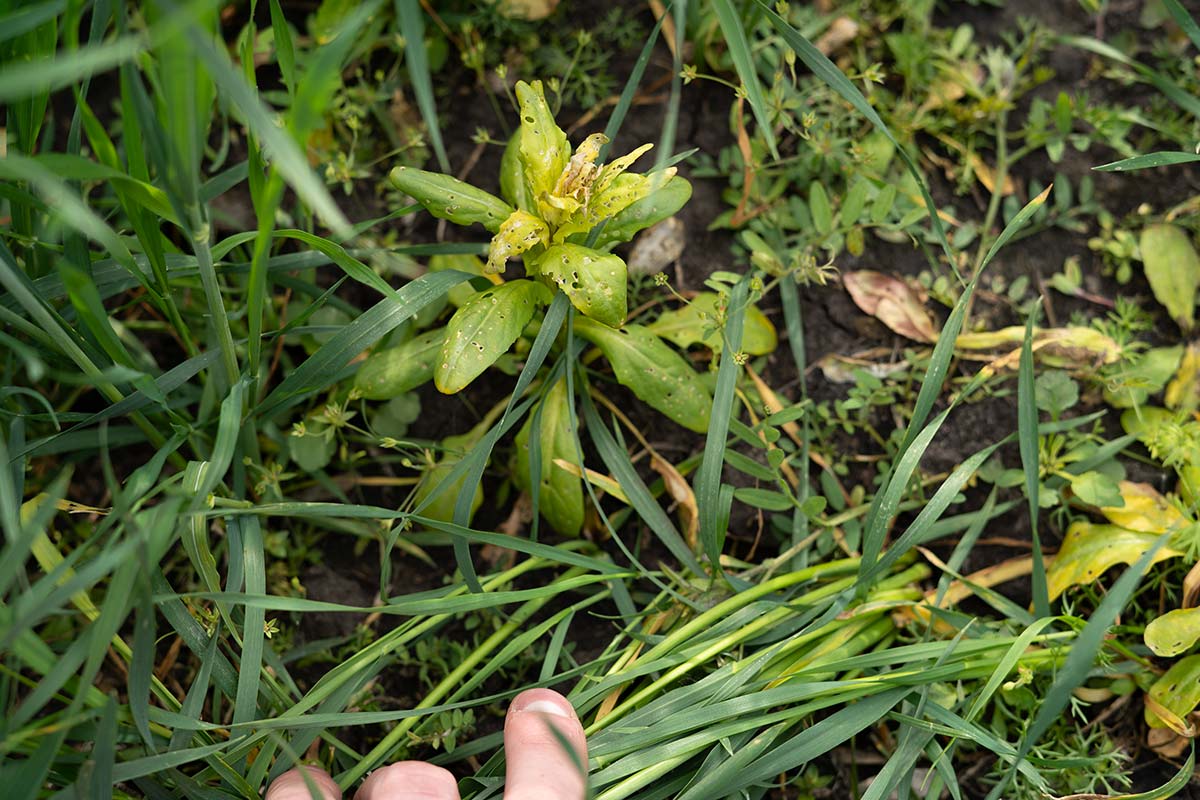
point(520, 232)
point(658, 375)
point(892, 302)
point(1145, 510)
point(595, 282)
point(696, 323)
point(1088, 551)
point(1173, 632)
point(542, 146)
point(664, 200)
point(1065, 348)
point(560, 493)
point(526, 9)
point(1173, 269)
point(483, 330)
point(1183, 392)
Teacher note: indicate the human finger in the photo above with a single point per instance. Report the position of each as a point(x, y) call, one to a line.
point(409, 780)
point(545, 748)
point(292, 786)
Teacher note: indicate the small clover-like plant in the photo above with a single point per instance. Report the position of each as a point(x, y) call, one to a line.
point(561, 213)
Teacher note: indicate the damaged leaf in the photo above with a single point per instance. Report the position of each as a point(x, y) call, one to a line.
point(1066, 348)
point(658, 375)
point(595, 282)
point(1173, 632)
point(892, 302)
point(1183, 392)
point(483, 330)
point(1089, 550)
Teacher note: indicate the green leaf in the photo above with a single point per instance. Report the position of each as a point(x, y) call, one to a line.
point(560, 494)
point(416, 62)
point(449, 198)
point(1088, 551)
point(1097, 489)
point(1055, 392)
point(395, 416)
point(818, 204)
point(1147, 161)
point(433, 482)
point(400, 369)
point(1173, 632)
point(696, 323)
point(1147, 376)
point(513, 186)
point(658, 375)
point(595, 282)
point(1173, 269)
point(311, 452)
point(483, 330)
point(764, 498)
point(1178, 691)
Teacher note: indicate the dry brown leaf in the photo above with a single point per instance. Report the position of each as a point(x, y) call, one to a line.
point(892, 302)
point(657, 247)
point(842, 31)
point(682, 494)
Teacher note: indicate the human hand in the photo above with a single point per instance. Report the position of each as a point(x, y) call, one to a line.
point(538, 767)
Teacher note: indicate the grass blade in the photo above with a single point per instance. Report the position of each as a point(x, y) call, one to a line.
point(1027, 438)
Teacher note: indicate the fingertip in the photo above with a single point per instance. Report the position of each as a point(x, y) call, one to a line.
point(409, 779)
point(545, 748)
point(291, 785)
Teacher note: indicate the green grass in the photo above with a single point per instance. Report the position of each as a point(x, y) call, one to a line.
point(152, 366)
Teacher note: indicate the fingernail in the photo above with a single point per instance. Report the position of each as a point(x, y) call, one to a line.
point(546, 707)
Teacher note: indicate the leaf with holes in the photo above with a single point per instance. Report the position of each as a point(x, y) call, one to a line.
point(696, 323)
point(662, 202)
point(1173, 632)
point(519, 233)
point(542, 147)
point(400, 369)
point(449, 198)
point(560, 493)
point(483, 330)
point(1173, 269)
point(658, 375)
point(1088, 551)
point(892, 302)
point(595, 282)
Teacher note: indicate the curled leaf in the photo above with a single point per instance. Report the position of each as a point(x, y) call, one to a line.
point(1175, 696)
point(560, 493)
point(1088, 551)
point(658, 375)
point(594, 281)
point(892, 302)
point(1173, 269)
point(449, 198)
point(1065, 348)
point(519, 233)
point(483, 330)
point(696, 323)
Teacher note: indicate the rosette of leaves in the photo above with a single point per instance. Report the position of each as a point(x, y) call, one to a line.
point(561, 214)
